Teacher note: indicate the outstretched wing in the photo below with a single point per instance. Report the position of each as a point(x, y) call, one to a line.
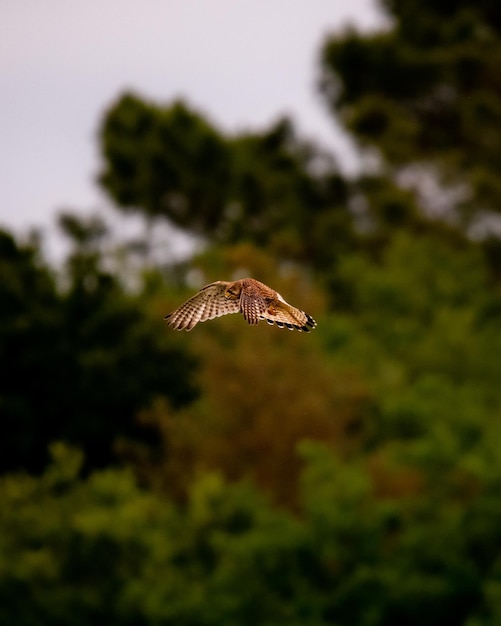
point(208, 303)
point(284, 315)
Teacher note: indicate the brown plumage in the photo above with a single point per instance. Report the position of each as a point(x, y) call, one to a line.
point(248, 296)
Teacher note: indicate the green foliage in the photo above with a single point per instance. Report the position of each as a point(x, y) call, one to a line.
point(104, 549)
point(247, 393)
point(426, 91)
point(266, 188)
point(389, 514)
point(282, 186)
point(77, 365)
point(396, 517)
point(167, 161)
point(348, 477)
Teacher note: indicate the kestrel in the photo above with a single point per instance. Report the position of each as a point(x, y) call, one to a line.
point(248, 296)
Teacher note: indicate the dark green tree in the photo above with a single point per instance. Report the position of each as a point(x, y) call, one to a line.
point(76, 551)
point(426, 94)
point(30, 319)
point(77, 363)
point(267, 188)
point(167, 161)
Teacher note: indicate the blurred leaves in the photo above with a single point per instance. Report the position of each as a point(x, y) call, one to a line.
point(166, 161)
point(106, 549)
point(248, 475)
point(70, 358)
point(426, 91)
point(266, 187)
point(350, 476)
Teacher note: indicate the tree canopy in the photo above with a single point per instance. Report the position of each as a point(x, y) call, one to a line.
point(247, 475)
point(426, 93)
point(70, 357)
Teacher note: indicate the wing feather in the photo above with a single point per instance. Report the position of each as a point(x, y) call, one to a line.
point(208, 303)
point(286, 316)
point(256, 302)
point(252, 307)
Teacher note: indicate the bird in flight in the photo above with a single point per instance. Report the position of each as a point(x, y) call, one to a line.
point(256, 301)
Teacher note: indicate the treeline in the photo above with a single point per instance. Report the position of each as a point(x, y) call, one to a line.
point(239, 475)
point(79, 359)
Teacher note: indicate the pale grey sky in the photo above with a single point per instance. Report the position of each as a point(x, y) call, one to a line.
point(62, 63)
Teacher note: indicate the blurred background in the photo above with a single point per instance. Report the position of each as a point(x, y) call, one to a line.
point(349, 157)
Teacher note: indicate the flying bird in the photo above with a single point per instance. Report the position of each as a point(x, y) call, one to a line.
point(256, 301)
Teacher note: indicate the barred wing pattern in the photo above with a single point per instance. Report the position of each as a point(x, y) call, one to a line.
point(208, 303)
point(286, 316)
point(255, 300)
